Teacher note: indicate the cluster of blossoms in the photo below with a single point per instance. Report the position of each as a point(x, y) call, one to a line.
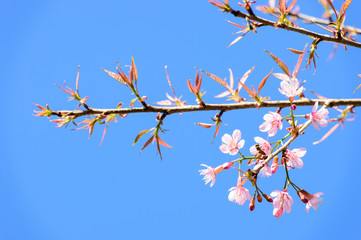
point(261, 155)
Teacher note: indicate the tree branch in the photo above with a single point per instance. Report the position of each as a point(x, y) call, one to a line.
point(322, 37)
point(208, 107)
point(311, 19)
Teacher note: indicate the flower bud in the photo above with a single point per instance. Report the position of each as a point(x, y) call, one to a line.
point(302, 197)
point(227, 165)
point(252, 205)
point(268, 198)
point(306, 194)
point(274, 165)
point(259, 198)
point(293, 107)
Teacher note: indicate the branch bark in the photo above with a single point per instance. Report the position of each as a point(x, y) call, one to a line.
point(208, 107)
point(322, 37)
point(311, 19)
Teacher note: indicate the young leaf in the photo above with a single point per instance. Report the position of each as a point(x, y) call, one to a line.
point(217, 79)
point(147, 143)
point(244, 78)
point(280, 63)
point(115, 76)
point(141, 134)
point(262, 83)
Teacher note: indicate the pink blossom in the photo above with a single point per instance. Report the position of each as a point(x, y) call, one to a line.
point(291, 88)
point(282, 202)
point(232, 144)
point(318, 117)
point(211, 172)
point(294, 157)
point(239, 194)
point(313, 201)
point(263, 144)
point(273, 121)
point(265, 171)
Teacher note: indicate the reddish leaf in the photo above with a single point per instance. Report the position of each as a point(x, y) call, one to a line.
point(280, 63)
point(163, 143)
point(147, 143)
point(244, 78)
point(359, 85)
point(295, 51)
point(330, 3)
point(141, 134)
point(217, 79)
point(328, 133)
point(291, 6)
point(135, 72)
point(190, 87)
point(262, 83)
point(115, 76)
point(205, 125)
point(251, 94)
point(299, 62)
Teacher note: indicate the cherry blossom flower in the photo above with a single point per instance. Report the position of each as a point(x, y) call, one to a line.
point(239, 194)
point(211, 172)
point(232, 144)
point(318, 117)
point(294, 157)
point(291, 88)
point(273, 121)
point(313, 200)
point(263, 144)
point(282, 202)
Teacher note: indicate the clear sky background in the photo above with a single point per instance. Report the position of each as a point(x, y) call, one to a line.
point(56, 184)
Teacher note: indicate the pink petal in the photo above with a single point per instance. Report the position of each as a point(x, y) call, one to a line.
point(241, 144)
point(233, 151)
point(282, 76)
point(314, 109)
point(236, 135)
point(253, 150)
point(226, 138)
point(224, 148)
point(299, 152)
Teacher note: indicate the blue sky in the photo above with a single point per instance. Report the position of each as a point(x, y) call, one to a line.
point(57, 184)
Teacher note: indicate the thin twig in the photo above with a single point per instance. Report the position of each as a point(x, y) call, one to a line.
point(311, 19)
point(315, 35)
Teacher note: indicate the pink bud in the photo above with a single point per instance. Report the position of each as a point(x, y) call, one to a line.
point(227, 165)
point(274, 165)
point(268, 198)
point(252, 205)
point(302, 197)
point(259, 198)
point(293, 107)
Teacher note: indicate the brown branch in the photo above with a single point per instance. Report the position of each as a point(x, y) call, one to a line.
point(322, 37)
point(208, 107)
point(311, 19)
